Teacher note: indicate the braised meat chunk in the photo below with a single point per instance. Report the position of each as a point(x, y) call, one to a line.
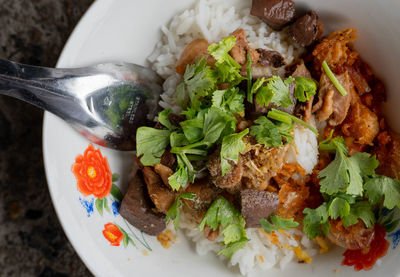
point(193, 51)
point(137, 208)
point(205, 192)
point(241, 48)
point(161, 196)
point(256, 205)
point(231, 180)
point(331, 105)
point(304, 30)
point(270, 58)
point(260, 164)
point(276, 13)
point(356, 236)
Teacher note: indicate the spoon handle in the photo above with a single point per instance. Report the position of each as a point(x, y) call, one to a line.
point(47, 88)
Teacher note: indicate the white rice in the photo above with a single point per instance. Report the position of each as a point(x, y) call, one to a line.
point(258, 253)
point(213, 20)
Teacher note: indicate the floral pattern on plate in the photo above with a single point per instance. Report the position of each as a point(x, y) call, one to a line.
point(97, 185)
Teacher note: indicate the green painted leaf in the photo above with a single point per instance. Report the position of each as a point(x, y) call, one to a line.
point(125, 240)
point(99, 205)
point(115, 177)
point(105, 204)
point(116, 192)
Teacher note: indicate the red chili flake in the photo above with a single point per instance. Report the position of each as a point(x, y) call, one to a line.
point(366, 258)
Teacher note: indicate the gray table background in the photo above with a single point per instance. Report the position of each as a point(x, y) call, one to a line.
point(32, 242)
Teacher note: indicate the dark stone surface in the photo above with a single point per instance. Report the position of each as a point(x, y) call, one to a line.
point(32, 242)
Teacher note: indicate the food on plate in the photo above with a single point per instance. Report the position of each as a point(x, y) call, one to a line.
point(271, 143)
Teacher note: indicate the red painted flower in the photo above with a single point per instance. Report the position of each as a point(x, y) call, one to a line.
point(112, 234)
point(92, 173)
point(366, 258)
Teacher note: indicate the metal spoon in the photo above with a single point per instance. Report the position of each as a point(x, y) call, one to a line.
point(106, 103)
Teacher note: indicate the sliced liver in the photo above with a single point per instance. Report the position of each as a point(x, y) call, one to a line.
point(137, 208)
point(305, 30)
point(276, 13)
point(257, 204)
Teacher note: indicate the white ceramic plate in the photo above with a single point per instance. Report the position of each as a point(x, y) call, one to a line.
point(127, 30)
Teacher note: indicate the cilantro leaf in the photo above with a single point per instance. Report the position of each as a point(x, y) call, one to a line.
point(355, 186)
point(193, 128)
point(174, 212)
point(305, 88)
point(198, 81)
point(220, 212)
point(338, 207)
point(382, 187)
point(266, 132)
point(280, 91)
point(284, 117)
point(254, 89)
point(277, 223)
point(232, 233)
point(229, 100)
point(215, 122)
point(249, 73)
point(232, 145)
point(366, 163)
point(335, 177)
point(316, 223)
point(179, 179)
point(263, 96)
point(178, 139)
point(362, 210)
point(331, 144)
point(231, 248)
point(226, 68)
point(163, 119)
point(151, 143)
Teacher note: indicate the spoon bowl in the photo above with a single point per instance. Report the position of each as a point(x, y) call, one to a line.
point(106, 103)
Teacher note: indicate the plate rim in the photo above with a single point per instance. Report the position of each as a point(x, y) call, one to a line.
point(90, 14)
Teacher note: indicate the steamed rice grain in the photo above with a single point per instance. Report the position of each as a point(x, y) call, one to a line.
point(213, 20)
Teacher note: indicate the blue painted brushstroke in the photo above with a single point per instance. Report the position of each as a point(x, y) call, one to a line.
point(385, 211)
point(88, 205)
point(115, 207)
point(395, 238)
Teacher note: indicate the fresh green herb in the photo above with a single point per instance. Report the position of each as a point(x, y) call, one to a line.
point(151, 143)
point(316, 223)
point(351, 190)
point(383, 188)
point(333, 79)
point(222, 213)
point(266, 132)
point(229, 100)
point(198, 82)
point(338, 207)
point(174, 212)
point(275, 91)
point(254, 88)
point(231, 146)
point(360, 210)
point(217, 123)
point(288, 119)
point(163, 119)
point(249, 73)
point(386, 219)
point(226, 68)
point(344, 174)
point(305, 88)
point(276, 223)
